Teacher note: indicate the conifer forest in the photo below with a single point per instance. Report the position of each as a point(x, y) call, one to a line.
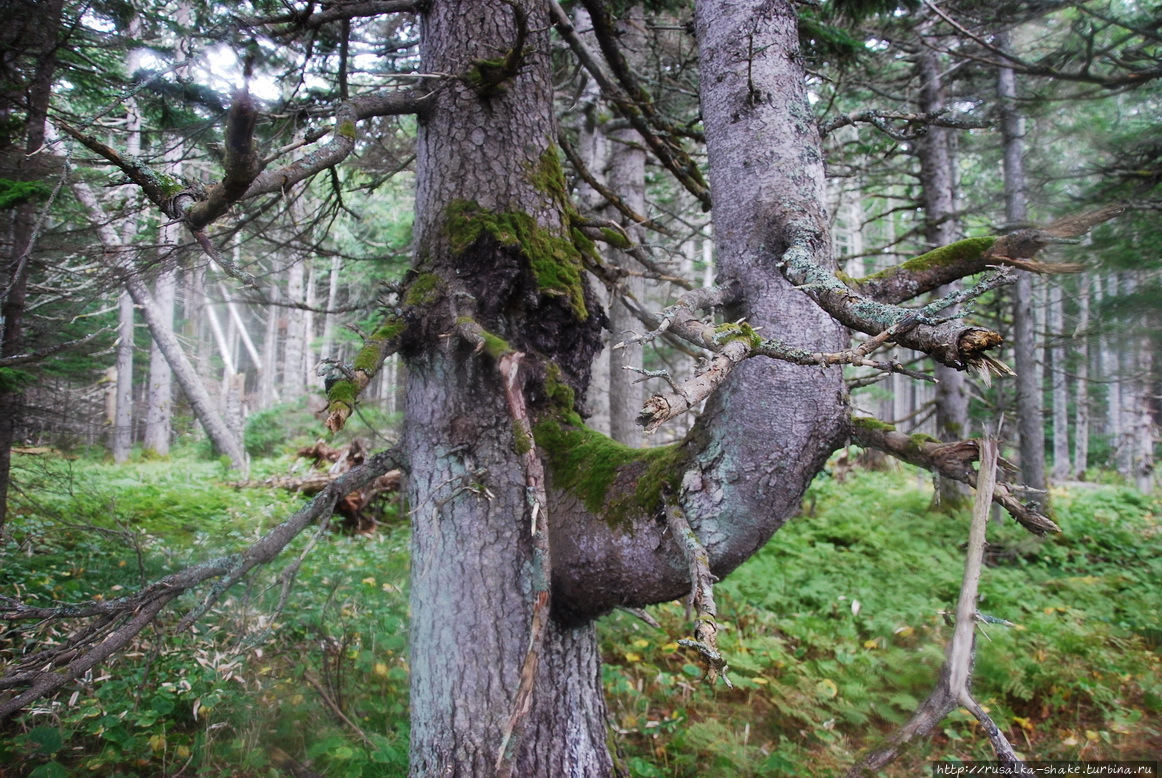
point(586, 388)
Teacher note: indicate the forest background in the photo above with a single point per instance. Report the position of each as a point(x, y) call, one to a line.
point(109, 470)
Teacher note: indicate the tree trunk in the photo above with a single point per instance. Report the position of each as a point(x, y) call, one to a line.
point(1081, 407)
point(627, 177)
point(294, 354)
point(1030, 430)
point(159, 327)
point(473, 569)
point(1056, 317)
point(121, 438)
point(937, 176)
point(33, 33)
point(159, 402)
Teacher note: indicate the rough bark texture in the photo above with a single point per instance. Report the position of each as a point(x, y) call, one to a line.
point(472, 563)
point(29, 32)
point(1030, 429)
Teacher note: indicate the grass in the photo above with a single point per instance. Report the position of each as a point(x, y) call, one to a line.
point(832, 633)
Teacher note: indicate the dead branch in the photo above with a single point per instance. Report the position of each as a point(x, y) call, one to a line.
point(116, 622)
point(952, 688)
point(951, 460)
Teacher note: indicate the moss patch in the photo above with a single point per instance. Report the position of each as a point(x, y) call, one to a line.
point(554, 260)
point(870, 424)
point(725, 333)
point(424, 290)
point(589, 465)
point(612, 480)
point(960, 251)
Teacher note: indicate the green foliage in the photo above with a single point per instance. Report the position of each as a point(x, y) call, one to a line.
point(269, 430)
point(238, 693)
point(13, 193)
point(818, 676)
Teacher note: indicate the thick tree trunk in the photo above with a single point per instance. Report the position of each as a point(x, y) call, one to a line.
point(1030, 429)
point(473, 568)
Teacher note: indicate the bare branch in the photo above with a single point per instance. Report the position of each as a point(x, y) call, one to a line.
point(705, 640)
point(336, 12)
point(951, 460)
point(952, 688)
point(915, 124)
point(44, 353)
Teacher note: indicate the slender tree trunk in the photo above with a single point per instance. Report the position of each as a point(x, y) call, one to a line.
point(294, 354)
point(327, 349)
point(159, 327)
point(159, 403)
point(627, 177)
point(121, 438)
point(1081, 407)
point(1056, 316)
point(937, 175)
point(1030, 428)
point(42, 28)
point(267, 377)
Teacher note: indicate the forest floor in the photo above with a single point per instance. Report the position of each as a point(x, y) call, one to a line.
point(833, 634)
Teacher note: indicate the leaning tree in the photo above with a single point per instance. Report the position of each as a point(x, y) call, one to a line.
point(527, 525)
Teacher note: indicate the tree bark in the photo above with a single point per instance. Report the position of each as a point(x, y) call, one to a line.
point(1056, 349)
point(121, 437)
point(1030, 430)
point(473, 568)
point(1081, 406)
point(941, 227)
point(33, 33)
point(627, 177)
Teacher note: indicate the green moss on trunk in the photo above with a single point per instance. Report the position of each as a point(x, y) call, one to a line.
point(555, 260)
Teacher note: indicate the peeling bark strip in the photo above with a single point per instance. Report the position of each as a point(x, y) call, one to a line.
point(118, 621)
point(538, 502)
point(705, 640)
point(952, 460)
point(952, 687)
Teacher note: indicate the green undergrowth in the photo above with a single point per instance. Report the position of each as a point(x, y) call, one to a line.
point(832, 633)
point(833, 637)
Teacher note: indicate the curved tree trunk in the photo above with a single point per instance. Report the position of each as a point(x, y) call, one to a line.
point(475, 570)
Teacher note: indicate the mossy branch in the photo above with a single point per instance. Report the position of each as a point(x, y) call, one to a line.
point(970, 256)
point(342, 394)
